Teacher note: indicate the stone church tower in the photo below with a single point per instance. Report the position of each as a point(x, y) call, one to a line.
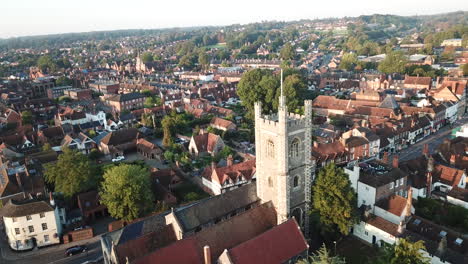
point(284, 168)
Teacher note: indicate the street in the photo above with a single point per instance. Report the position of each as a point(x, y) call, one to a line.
point(433, 141)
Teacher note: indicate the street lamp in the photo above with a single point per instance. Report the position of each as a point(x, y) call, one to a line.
point(334, 242)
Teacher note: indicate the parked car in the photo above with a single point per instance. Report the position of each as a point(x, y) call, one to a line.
point(119, 158)
point(75, 250)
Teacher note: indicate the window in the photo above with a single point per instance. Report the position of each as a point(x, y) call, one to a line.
point(270, 182)
point(366, 233)
point(402, 180)
point(14, 219)
point(270, 149)
point(31, 229)
point(296, 181)
point(17, 231)
point(391, 185)
point(44, 226)
point(28, 217)
point(46, 238)
point(41, 215)
point(294, 151)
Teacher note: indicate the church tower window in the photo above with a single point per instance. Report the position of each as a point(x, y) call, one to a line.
point(270, 149)
point(270, 182)
point(296, 181)
point(294, 151)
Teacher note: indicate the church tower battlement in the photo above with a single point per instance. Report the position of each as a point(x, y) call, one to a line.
point(284, 168)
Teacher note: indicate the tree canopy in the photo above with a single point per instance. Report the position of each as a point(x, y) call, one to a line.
point(147, 57)
point(403, 252)
point(71, 174)
point(394, 62)
point(349, 61)
point(126, 191)
point(334, 199)
point(323, 256)
point(287, 52)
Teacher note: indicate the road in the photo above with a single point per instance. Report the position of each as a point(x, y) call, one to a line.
point(51, 255)
point(433, 141)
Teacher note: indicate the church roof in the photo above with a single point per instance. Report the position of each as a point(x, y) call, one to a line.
point(214, 207)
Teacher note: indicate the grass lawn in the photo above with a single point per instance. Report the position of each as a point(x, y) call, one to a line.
point(216, 46)
point(355, 251)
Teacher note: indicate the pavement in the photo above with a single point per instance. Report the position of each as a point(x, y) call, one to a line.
point(433, 141)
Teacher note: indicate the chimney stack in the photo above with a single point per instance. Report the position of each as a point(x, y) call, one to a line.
point(315, 144)
point(213, 165)
point(207, 254)
point(400, 228)
point(229, 160)
point(51, 199)
point(426, 150)
point(395, 161)
point(18, 180)
point(385, 157)
point(453, 159)
point(409, 202)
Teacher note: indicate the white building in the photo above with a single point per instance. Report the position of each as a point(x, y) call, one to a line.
point(30, 224)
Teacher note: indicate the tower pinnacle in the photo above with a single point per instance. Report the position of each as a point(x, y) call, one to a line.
point(282, 99)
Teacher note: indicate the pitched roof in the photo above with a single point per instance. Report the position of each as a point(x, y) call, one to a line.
point(121, 136)
point(389, 102)
point(418, 80)
point(220, 122)
point(277, 245)
point(394, 204)
point(125, 97)
point(383, 224)
point(244, 169)
point(31, 207)
point(447, 175)
point(206, 142)
point(214, 207)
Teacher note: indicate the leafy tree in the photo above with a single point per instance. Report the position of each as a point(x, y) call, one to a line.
point(334, 199)
point(188, 61)
point(465, 69)
point(349, 61)
point(323, 256)
point(147, 57)
point(27, 117)
point(63, 81)
point(46, 147)
point(287, 52)
point(126, 191)
point(394, 62)
point(71, 174)
point(203, 59)
point(46, 64)
point(403, 252)
point(168, 126)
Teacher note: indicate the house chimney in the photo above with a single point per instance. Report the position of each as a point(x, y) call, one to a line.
point(453, 159)
point(213, 165)
point(401, 228)
point(229, 160)
point(51, 199)
point(395, 161)
point(315, 144)
point(409, 202)
point(442, 246)
point(385, 157)
point(18, 180)
point(426, 150)
point(207, 254)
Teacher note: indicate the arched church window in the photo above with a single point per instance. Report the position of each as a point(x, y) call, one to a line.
point(270, 149)
point(296, 181)
point(294, 151)
point(270, 182)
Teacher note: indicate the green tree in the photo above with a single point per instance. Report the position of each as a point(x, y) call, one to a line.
point(27, 117)
point(126, 191)
point(394, 62)
point(349, 61)
point(46, 64)
point(46, 147)
point(63, 81)
point(71, 174)
point(147, 57)
point(465, 69)
point(203, 59)
point(334, 199)
point(168, 126)
point(323, 256)
point(287, 52)
point(404, 252)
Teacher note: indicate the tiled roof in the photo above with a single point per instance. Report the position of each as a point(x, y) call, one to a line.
point(125, 97)
point(277, 245)
point(394, 204)
point(216, 121)
point(244, 169)
point(206, 142)
point(447, 175)
point(383, 224)
point(121, 136)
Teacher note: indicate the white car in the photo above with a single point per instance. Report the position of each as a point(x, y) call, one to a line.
point(119, 158)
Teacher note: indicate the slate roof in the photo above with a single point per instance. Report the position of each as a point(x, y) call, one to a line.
point(125, 97)
point(18, 209)
point(389, 102)
point(214, 207)
point(379, 174)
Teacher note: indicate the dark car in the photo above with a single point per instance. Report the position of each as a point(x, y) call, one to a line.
point(75, 250)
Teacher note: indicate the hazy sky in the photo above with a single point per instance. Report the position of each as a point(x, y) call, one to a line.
point(37, 17)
